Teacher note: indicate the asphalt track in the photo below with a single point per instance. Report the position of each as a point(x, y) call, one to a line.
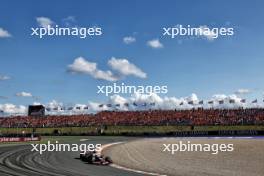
point(18, 160)
point(135, 155)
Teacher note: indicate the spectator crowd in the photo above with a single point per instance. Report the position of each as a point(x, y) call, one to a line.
point(254, 116)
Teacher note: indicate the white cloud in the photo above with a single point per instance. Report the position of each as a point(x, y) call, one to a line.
point(94, 107)
point(13, 109)
point(4, 77)
point(139, 102)
point(155, 43)
point(118, 100)
point(37, 103)
point(44, 22)
point(218, 97)
point(208, 33)
point(124, 67)
point(23, 94)
point(4, 33)
point(226, 102)
point(54, 104)
point(129, 40)
point(114, 100)
point(171, 103)
point(80, 65)
point(193, 97)
point(242, 91)
point(69, 21)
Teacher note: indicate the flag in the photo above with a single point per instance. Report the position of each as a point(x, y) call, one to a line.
point(210, 102)
point(152, 104)
point(201, 102)
point(221, 102)
point(231, 101)
point(70, 108)
point(243, 101)
point(255, 101)
point(190, 102)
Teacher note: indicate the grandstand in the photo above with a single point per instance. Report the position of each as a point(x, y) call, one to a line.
point(193, 117)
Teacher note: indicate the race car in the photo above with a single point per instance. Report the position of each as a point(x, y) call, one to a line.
point(95, 158)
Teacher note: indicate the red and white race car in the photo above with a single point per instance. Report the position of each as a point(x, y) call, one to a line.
point(95, 158)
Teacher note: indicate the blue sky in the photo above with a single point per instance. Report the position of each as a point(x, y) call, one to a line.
point(186, 65)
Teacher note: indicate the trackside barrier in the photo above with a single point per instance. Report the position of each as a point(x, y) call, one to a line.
point(19, 139)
